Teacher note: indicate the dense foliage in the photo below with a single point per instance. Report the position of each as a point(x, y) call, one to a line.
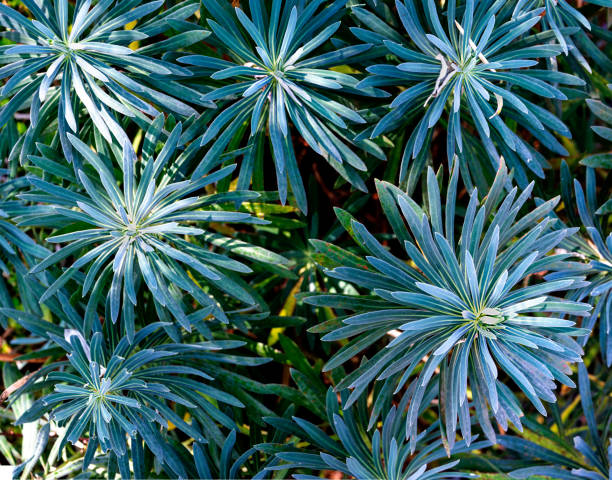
point(305, 239)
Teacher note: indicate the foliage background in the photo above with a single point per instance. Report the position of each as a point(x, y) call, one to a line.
point(262, 342)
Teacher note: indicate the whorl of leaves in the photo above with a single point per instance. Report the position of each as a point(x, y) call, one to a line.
point(169, 170)
point(461, 303)
point(274, 78)
point(87, 50)
point(110, 392)
point(361, 453)
point(480, 65)
point(121, 236)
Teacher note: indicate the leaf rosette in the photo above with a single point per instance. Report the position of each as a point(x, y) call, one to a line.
point(148, 230)
point(464, 313)
point(277, 81)
point(481, 68)
point(87, 52)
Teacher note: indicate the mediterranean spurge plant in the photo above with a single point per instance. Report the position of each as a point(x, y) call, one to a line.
point(269, 239)
point(86, 49)
point(478, 65)
point(463, 306)
point(122, 391)
point(139, 232)
point(279, 80)
point(384, 455)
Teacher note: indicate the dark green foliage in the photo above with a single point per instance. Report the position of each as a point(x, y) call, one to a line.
point(305, 239)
